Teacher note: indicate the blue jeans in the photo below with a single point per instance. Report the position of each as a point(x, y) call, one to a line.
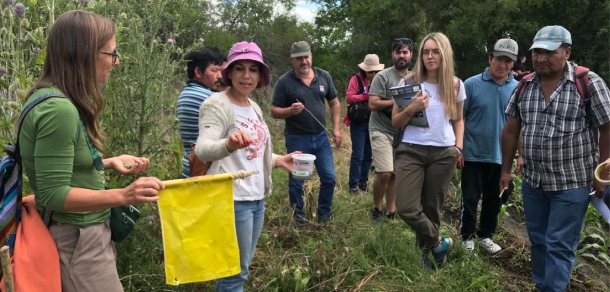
point(362, 157)
point(249, 217)
point(554, 221)
point(318, 145)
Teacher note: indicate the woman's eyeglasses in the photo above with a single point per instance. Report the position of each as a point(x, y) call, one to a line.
point(114, 54)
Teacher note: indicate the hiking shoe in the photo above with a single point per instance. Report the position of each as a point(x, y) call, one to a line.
point(390, 216)
point(363, 186)
point(468, 244)
point(489, 245)
point(376, 214)
point(441, 251)
point(353, 191)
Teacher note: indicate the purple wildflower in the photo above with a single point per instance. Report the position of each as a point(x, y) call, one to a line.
point(84, 2)
point(8, 2)
point(171, 41)
point(2, 71)
point(19, 10)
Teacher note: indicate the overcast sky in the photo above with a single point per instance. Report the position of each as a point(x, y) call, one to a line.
point(305, 10)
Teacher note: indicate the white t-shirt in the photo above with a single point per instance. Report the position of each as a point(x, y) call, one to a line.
point(440, 133)
point(249, 158)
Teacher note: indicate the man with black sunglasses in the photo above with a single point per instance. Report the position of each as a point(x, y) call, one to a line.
point(380, 128)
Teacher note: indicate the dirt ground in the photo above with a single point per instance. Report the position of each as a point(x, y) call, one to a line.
point(514, 258)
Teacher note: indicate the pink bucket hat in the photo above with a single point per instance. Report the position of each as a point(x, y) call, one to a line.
point(246, 51)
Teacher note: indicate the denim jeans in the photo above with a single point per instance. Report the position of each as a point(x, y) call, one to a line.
point(249, 217)
point(318, 145)
point(362, 157)
point(554, 221)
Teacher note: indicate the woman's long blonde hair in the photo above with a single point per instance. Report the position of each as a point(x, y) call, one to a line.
point(446, 77)
point(70, 64)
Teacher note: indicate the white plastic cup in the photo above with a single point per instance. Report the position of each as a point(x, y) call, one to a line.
point(302, 166)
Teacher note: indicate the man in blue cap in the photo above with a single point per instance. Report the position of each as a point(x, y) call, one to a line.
point(559, 151)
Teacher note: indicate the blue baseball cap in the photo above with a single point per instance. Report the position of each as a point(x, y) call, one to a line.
point(551, 37)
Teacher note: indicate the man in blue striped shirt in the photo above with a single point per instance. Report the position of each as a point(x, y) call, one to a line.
point(204, 69)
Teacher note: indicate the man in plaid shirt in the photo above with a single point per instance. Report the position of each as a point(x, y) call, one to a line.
point(559, 152)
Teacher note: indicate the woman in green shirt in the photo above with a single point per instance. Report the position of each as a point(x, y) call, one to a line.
point(54, 146)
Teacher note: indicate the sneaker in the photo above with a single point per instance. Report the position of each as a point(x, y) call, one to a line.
point(390, 216)
point(441, 251)
point(468, 244)
point(353, 191)
point(363, 186)
point(489, 245)
point(376, 214)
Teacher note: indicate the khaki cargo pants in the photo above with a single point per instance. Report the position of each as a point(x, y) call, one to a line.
point(87, 258)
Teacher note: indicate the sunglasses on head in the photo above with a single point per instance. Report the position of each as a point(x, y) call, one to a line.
point(402, 41)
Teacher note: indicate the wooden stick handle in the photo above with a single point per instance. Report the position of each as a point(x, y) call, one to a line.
point(5, 257)
point(242, 174)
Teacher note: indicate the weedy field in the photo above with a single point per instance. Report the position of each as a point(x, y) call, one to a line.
point(352, 253)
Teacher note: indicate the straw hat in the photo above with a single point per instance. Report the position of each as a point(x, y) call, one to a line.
point(371, 63)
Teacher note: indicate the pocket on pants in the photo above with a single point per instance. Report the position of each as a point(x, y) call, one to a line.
point(93, 264)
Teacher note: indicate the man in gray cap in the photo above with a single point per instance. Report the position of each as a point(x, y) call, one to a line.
point(487, 96)
point(299, 97)
point(559, 153)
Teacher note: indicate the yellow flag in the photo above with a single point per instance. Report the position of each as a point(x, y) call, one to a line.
point(198, 225)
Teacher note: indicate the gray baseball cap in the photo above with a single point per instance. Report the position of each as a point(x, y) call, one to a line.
point(506, 47)
point(300, 49)
point(551, 37)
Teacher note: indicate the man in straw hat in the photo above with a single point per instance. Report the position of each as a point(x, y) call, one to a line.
point(357, 119)
point(381, 130)
point(299, 97)
point(559, 153)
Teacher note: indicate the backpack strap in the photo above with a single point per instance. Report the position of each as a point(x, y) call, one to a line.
point(46, 214)
point(522, 84)
point(360, 84)
point(581, 79)
point(27, 109)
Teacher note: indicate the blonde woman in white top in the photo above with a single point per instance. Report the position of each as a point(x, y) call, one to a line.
point(426, 158)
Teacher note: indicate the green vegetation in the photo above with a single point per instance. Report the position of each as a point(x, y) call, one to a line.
point(350, 253)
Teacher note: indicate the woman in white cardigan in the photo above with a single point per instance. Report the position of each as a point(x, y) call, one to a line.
point(234, 136)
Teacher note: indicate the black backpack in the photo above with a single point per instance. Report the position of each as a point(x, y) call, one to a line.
point(359, 112)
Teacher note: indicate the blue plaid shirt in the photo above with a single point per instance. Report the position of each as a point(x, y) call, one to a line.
point(559, 149)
